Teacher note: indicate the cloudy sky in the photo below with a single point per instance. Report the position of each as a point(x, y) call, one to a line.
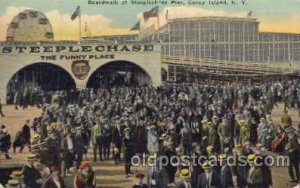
point(273, 15)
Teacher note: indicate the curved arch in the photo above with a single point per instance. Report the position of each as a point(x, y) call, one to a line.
point(121, 66)
point(44, 75)
point(35, 63)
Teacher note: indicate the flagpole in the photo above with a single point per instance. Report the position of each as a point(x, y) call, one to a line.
point(158, 20)
point(158, 38)
point(79, 24)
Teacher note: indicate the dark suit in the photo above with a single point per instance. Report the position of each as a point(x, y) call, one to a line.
point(1, 113)
point(202, 181)
point(128, 153)
point(226, 177)
point(30, 177)
point(215, 177)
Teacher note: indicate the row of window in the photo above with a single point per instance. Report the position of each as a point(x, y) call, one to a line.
point(235, 52)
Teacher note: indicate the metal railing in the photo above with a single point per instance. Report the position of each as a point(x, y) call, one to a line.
point(229, 67)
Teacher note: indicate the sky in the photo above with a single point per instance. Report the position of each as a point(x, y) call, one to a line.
point(273, 15)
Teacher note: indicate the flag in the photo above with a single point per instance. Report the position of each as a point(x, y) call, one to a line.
point(76, 13)
point(250, 13)
point(167, 14)
point(151, 13)
point(137, 26)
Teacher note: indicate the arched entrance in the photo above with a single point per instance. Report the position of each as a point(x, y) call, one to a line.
point(119, 73)
point(37, 77)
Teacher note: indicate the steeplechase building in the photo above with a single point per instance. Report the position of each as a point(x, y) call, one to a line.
point(184, 49)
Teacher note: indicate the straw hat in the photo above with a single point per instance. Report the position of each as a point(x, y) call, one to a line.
point(246, 143)
point(204, 121)
point(151, 158)
point(250, 158)
point(12, 183)
point(209, 148)
point(163, 136)
point(238, 146)
point(184, 173)
point(222, 157)
point(127, 130)
point(16, 175)
point(35, 136)
point(241, 122)
point(206, 165)
point(31, 157)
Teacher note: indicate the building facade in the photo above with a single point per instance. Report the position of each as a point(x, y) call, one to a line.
point(229, 39)
point(223, 38)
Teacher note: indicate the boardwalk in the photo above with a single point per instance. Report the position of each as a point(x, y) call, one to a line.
point(108, 174)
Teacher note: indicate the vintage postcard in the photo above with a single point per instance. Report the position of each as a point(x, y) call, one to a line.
point(149, 93)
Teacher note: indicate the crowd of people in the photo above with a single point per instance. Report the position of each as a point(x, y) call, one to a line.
point(121, 123)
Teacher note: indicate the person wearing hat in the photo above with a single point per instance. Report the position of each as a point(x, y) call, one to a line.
point(153, 179)
point(26, 134)
point(244, 132)
point(152, 143)
point(128, 151)
point(95, 139)
point(224, 133)
point(140, 133)
point(196, 168)
point(79, 146)
point(139, 183)
point(205, 178)
point(169, 152)
point(226, 173)
point(255, 175)
point(85, 176)
point(262, 131)
point(240, 170)
point(35, 139)
point(67, 151)
point(247, 150)
point(54, 180)
point(210, 151)
point(185, 177)
point(292, 150)
point(117, 141)
point(107, 131)
point(278, 143)
point(31, 176)
point(186, 138)
point(5, 142)
point(52, 155)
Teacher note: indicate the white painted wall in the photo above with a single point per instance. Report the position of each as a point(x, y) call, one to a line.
point(10, 63)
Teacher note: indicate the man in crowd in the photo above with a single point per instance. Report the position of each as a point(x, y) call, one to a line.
point(1, 112)
point(5, 142)
point(26, 134)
